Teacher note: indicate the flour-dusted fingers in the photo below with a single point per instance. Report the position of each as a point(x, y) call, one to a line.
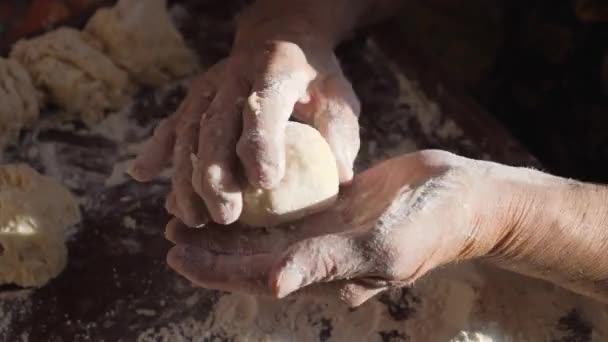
point(238, 239)
point(321, 259)
point(316, 260)
point(243, 274)
point(232, 240)
point(192, 209)
point(282, 82)
point(191, 206)
point(215, 174)
point(334, 110)
point(156, 152)
point(338, 122)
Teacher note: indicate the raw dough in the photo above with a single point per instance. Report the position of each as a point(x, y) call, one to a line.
point(35, 212)
point(140, 37)
point(18, 101)
point(310, 184)
point(78, 77)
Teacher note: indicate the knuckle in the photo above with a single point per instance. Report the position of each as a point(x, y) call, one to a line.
point(435, 157)
point(274, 50)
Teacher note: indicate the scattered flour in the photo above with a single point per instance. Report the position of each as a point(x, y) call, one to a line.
point(465, 303)
point(129, 222)
point(14, 305)
point(119, 174)
point(239, 317)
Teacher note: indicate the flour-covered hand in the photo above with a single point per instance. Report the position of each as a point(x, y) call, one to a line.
point(394, 223)
point(233, 120)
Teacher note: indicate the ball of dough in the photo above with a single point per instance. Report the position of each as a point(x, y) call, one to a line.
point(74, 73)
point(140, 37)
point(18, 101)
point(35, 212)
point(310, 183)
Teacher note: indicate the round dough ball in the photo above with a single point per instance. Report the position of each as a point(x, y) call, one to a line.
point(35, 212)
point(310, 184)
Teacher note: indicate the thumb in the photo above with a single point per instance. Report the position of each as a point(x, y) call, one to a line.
point(320, 259)
point(334, 110)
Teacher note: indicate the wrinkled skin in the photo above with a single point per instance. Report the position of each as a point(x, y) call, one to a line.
point(392, 223)
point(383, 231)
point(233, 121)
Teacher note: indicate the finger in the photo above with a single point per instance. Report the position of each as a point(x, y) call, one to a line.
point(350, 292)
point(234, 241)
point(171, 205)
point(243, 274)
point(355, 294)
point(156, 151)
point(320, 259)
point(214, 177)
point(172, 226)
point(241, 240)
point(191, 206)
point(261, 147)
point(336, 109)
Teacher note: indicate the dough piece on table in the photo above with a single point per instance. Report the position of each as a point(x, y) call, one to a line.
point(35, 212)
point(74, 73)
point(310, 184)
point(18, 101)
point(140, 37)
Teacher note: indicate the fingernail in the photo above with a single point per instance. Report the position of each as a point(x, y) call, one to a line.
point(290, 280)
point(132, 169)
point(346, 175)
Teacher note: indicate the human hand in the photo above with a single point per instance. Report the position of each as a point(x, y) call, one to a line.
point(390, 226)
point(243, 105)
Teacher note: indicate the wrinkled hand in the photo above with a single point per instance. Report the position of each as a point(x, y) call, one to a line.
point(233, 120)
point(390, 226)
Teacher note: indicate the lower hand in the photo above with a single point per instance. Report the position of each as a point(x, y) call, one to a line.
point(394, 223)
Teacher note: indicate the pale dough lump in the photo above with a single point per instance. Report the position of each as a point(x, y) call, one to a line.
point(68, 67)
point(35, 212)
point(140, 37)
point(310, 183)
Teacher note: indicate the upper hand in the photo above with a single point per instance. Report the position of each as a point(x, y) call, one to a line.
point(394, 223)
point(233, 118)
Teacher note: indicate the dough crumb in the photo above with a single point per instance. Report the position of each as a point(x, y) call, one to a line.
point(129, 222)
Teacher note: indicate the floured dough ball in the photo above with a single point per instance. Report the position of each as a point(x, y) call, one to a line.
point(35, 212)
point(140, 37)
point(77, 76)
point(310, 183)
point(18, 101)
